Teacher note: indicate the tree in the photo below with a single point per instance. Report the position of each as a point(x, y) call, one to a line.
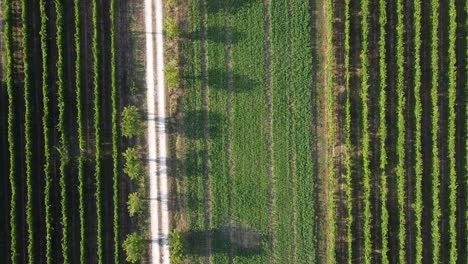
point(133, 166)
point(172, 74)
point(132, 124)
point(134, 204)
point(134, 247)
point(177, 244)
point(172, 28)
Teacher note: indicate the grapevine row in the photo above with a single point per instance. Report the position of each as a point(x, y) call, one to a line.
point(418, 167)
point(62, 131)
point(452, 83)
point(365, 132)
point(81, 132)
point(115, 136)
point(400, 147)
point(97, 129)
point(12, 146)
point(25, 15)
point(46, 124)
point(436, 210)
point(383, 129)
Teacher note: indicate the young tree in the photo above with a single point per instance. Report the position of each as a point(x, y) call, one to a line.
point(135, 204)
point(134, 247)
point(172, 28)
point(133, 166)
point(172, 74)
point(177, 244)
point(132, 123)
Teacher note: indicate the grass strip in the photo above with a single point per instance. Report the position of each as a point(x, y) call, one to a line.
point(281, 126)
point(249, 125)
point(348, 146)
point(217, 125)
point(330, 57)
point(304, 191)
point(193, 127)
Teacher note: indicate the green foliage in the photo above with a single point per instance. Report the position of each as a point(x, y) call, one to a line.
point(452, 115)
point(418, 167)
point(132, 123)
point(81, 132)
point(172, 74)
point(46, 123)
point(28, 148)
point(133, 165)
point(97, 129)
point(177, 247)
point(63, 151)
point(436, 210)
point(134, 247)
point(12, 142)
point(383, 130)
point(172, 28)
point(135, 204)
point(115, 135)
point(365, 132)
point(400, 144)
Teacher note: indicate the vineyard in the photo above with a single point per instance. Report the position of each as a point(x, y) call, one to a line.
point(63, 88)
point(298, 131)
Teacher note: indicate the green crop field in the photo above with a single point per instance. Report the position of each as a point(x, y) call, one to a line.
point(298, 131)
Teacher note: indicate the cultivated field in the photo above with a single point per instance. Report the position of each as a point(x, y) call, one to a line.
point(326, 131)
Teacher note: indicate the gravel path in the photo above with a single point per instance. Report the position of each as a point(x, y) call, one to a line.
point(157, 141)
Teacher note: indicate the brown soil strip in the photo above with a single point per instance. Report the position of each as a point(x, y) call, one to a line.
point(206, 161)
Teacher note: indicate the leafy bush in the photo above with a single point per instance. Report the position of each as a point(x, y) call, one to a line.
point(172, 28)
point(172, 74)
point(135, 204)
point(133, 166)
point(132, 124)
point(177, 245)
point(134, 247)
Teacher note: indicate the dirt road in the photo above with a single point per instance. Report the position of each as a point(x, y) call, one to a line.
point(157, 141)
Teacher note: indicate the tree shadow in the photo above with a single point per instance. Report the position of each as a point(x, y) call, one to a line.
point(216, 34)
point(217, 79)
point(231, 7)
point(243, 241)
point(194, 124)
